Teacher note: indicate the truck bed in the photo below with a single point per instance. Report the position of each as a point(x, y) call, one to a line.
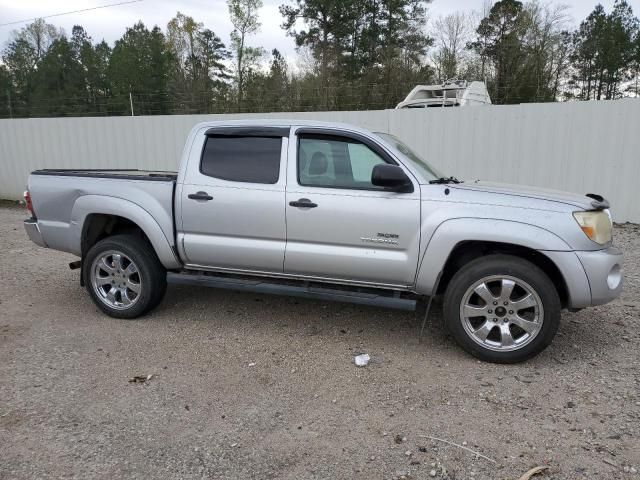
point(125, 174)
point(62, 198)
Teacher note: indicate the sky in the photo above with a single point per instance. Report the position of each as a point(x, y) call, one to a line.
point(110, 23)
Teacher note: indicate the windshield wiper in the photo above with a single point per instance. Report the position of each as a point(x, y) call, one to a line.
point(444, 180)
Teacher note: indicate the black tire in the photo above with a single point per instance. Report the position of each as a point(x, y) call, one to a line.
point(510, 266)
point(151, 274)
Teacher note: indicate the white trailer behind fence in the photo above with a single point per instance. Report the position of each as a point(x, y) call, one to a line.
point(583, 147)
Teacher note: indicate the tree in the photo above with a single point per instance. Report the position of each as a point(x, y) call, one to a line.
point(603, 51)
point(524, 51)
point(6, 92)
point(94, 62)
point(59, 86)
point(499, 39)
point(40, 35)
point(352, 54)
point(546, 48)
point(587, 42)
point(277, 85)
point(21, 56)
point(213, 53)
point(244, 18)
point(451, 35)
point(402, 47)
point(619, 50)
point(198, 71)
point(139, 65)
point(636, 66)
point(365, 51)
point(322, 36)
point(181, 39)
point(20, 62)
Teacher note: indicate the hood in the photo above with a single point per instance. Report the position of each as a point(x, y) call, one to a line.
point(581, 201)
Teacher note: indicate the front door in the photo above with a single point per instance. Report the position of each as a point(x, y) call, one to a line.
point(232, 201)
point(339, 225)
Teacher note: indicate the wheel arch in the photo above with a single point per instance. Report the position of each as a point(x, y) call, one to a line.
point(96, 217)
point(466, 251)
point(455, 242)
point(98, 226)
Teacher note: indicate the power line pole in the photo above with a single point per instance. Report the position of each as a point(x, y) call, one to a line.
point(131, 102)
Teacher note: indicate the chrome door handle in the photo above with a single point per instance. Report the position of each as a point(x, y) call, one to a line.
point(303, 203)
point(204, 196)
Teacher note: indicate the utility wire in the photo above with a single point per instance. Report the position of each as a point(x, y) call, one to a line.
point(68, 13)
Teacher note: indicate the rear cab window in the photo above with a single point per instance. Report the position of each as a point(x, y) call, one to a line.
point(247, 159)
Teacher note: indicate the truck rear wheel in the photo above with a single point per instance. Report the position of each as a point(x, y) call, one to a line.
point(124, 276)
point(502, 309)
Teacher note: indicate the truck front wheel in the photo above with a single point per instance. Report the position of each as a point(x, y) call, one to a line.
point(502, 309)
point(124, 276)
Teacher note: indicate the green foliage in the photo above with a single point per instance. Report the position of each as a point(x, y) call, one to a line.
point(269, 91)
point(6, 90)
point(39, 35)
point(523, 50)
point(197, 73)
point(354, 54)
point(139, 64)
point(368, 53)
point(605, 52)
point(59, 76)
point(93, 76)
point(500, 41)
point(20, 60)
point(244, 18)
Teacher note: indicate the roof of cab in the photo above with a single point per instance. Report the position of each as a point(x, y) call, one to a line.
point(278, 122)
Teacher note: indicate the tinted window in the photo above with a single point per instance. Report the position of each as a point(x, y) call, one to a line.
point(336, 163)
point(242, 159)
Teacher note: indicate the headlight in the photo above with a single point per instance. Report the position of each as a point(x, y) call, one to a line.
point(596, 225)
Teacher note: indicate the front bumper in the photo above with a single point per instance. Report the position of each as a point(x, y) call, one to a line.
point(604, 272)
point(32, 229)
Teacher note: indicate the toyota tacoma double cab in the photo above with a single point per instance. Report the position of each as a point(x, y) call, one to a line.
point(333, 212)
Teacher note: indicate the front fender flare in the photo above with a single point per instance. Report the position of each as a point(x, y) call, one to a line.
point(100, 204)
point(454, 231)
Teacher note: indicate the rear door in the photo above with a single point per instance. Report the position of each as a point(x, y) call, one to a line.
point(233, 200)
point(339, 225)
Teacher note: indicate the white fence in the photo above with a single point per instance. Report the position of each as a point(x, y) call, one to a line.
point(580, 146)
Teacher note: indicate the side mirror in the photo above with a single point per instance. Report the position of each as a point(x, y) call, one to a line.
point(392, 177)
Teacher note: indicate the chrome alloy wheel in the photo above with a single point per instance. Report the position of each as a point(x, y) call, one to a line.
point(501, 313)
point(116, 280)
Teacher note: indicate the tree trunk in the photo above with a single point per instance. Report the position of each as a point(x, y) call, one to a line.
point(323, 69)
point(600, 81)
point(240, 71)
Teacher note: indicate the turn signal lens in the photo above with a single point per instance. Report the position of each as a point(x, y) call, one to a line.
point(589, 231)
point(596, 225)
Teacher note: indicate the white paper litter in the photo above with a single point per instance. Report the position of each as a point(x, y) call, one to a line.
point(362, 360)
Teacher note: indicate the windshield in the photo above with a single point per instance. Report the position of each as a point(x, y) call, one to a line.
point(425, 169)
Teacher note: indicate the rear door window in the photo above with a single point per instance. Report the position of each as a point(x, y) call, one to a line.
point(242, 159)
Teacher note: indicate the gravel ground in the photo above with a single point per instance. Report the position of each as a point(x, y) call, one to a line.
point(250, 386)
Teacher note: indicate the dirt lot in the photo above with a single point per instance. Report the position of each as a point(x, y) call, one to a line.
point(248, 386)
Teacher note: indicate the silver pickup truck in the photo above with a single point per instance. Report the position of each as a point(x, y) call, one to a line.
point(333, 212)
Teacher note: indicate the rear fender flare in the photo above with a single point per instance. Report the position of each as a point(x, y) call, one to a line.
point(100, 204)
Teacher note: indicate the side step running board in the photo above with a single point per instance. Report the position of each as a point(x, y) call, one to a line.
point(305, 291)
